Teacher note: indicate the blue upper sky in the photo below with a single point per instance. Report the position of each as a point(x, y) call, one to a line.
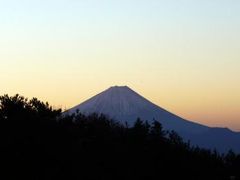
point(181, 54)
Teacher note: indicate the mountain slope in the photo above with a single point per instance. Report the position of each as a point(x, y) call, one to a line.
point(124, 105)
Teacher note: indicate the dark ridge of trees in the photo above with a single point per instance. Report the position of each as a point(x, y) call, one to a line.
point(37, 143)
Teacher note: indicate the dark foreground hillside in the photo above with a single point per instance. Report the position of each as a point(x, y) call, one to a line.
point(37, 143)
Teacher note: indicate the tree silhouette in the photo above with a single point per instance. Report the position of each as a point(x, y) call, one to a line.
point(37, 142)
point(157, 130)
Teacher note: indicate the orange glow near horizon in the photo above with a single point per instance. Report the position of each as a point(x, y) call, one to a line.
point(181, 56)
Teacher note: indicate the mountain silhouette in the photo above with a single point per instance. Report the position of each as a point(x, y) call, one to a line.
point(125, 105)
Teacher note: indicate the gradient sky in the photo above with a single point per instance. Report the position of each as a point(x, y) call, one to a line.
point(183, 55)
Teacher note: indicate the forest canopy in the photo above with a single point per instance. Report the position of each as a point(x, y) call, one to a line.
point(38, 142)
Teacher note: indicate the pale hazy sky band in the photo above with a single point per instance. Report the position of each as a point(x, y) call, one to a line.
point(184, 55)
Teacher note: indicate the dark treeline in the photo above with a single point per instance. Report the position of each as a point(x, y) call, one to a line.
point(37, 143)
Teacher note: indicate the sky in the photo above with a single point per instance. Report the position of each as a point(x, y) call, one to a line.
point(183, 55)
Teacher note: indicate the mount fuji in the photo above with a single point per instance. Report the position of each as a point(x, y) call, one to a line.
point(125, 105)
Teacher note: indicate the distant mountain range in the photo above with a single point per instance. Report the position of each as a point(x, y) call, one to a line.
point(125, 105)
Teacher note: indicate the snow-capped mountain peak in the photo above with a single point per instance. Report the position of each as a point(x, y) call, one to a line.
point(123, 104)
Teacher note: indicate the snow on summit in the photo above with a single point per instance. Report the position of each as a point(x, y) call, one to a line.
point(125, 105)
